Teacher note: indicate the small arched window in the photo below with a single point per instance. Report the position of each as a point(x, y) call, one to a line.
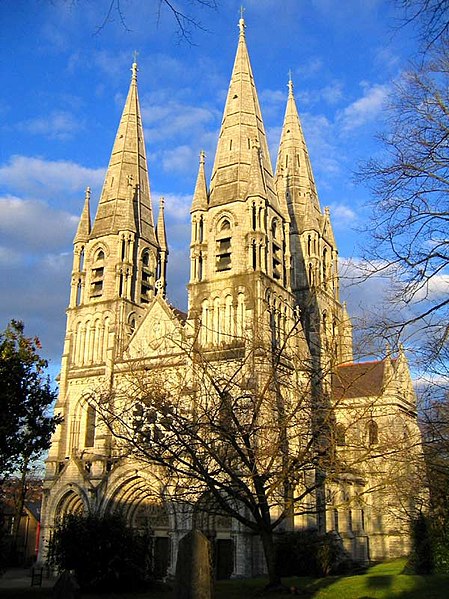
point(147, 278)
point(325, 266)
point(81, 262)
point(276, 250)
point(223, 252)
point(90, 426)
point(373, 432)
point(132, 324)
point(97, 275)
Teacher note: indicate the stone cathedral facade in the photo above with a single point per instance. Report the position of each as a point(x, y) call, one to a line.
point(263, 263)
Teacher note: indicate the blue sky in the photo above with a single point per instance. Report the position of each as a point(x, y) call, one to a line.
point(63, 89)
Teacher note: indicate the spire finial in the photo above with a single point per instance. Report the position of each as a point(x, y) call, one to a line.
point(202, 157)
point(290, 83)
point(242, 21)
point(87, 193)
point(161, 202)
point(134, 68)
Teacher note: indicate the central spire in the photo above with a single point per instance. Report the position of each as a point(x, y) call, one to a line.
point(294, 176)
point(125, 202)
point(241, 128)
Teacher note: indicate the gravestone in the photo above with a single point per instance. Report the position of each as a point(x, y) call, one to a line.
point(193, 567)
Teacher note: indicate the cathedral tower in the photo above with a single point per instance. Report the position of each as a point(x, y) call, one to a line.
point(315, 279)
point(118, 267)
point(240, 247)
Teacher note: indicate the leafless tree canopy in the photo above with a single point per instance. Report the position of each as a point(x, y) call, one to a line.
point(243, 431)
point(181, 10)
point(410, 183)
point(431, 17)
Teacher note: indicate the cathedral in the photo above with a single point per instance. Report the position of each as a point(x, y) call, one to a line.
point(264, 317)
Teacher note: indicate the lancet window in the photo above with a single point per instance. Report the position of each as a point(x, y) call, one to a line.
point(90, 426)
point(147, 278)
point(223, 250)
point(276, 250)
point(97, 275)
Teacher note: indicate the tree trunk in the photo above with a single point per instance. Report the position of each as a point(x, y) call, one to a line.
point(18, 510)
point(274, 579)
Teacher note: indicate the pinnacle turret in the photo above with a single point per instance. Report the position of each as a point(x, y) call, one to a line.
point(83, 231)
point(200, 198)
point(160, 230)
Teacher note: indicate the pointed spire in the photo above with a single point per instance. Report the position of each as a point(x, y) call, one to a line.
point(160, 231)
point(242, 123)
point(200, 195)
point(83, 231)
point(121, 208)
point(293, 170)
point(256, 183)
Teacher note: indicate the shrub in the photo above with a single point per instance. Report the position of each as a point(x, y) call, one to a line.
point(423, 548)
point(103, 552)
point(309, 553)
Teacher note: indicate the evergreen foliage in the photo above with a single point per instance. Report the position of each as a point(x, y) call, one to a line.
point(104, 553)
point(25, 399)
point(310, 553)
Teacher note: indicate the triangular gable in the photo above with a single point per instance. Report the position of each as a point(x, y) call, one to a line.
point(327, 231)
point(159, 332)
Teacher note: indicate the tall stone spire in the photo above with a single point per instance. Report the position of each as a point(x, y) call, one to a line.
point(125, 202)
point(294, 176)
point(241, 125)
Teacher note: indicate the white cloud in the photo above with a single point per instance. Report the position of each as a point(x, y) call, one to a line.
point(342, 215)
point(181, 159)
point(176, 206)
point(41, 178)
point(9, 257)
point(365, 109)
point(320, 139)
point(33, 225)
point(332, 93)
point(175, 119)
point(59, 125)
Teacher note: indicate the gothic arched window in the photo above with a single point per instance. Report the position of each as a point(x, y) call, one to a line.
point(147, 277)
point(90, 426)
point(276, 249)
point(223, 255)
point(97, 275)
point(373, 432)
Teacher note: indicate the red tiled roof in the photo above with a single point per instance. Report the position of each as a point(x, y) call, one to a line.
point(360, 379)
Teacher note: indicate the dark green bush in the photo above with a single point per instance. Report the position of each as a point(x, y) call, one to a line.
point(104, 553)
point(422, 559)
point(430, 549)
point(309, 553)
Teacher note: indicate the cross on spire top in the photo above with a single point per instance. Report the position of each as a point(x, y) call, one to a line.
point(242, 21)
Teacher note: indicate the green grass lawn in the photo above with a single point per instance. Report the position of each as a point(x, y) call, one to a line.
point(384, 581)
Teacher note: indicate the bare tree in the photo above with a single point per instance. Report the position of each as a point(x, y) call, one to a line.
point(410, 184)
point(430, 17)
point(237, 430)
point(186, 21)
